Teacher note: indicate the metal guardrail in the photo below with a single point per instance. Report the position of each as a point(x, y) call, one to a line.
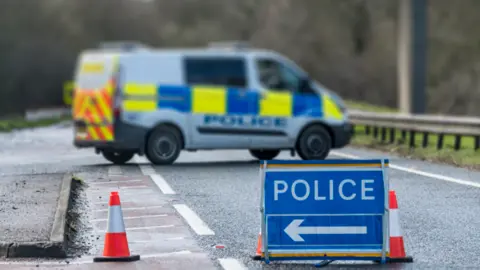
point(46, 113)
point(383, 124)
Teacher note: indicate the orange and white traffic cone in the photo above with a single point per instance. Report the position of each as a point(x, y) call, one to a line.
point(116, 244)
point(397, 246)
point(258, 254)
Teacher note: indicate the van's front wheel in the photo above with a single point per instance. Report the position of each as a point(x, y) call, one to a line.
point(117, 158)
point(163, 146)
point(314, 143)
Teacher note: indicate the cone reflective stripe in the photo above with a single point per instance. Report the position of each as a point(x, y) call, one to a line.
point(397, 246)
point(116, 244)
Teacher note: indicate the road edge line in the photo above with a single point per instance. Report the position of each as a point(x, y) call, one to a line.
point(162, 184)
point(231, 264)
point(195, 222)
point(413, 171)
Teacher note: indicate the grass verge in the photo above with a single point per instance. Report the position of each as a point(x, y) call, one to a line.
point(357, 105)
point(466, 157)
point(7, 125)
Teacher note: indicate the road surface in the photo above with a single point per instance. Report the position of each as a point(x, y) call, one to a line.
point(215, 195)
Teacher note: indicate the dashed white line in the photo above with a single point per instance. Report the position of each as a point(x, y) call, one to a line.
point(157, 179)
point(195, 222)
point(422, 173)
point(147, 169)
point(162, 184)
point(231, 264)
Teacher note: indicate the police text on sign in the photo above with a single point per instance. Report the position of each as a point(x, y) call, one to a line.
point(301, 190)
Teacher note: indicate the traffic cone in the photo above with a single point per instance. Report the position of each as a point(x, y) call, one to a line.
point(116, 245)
point(258, 253)
point(397, 246)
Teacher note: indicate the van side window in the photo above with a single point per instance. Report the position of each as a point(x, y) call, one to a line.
point(216, 71)
point(275, 76)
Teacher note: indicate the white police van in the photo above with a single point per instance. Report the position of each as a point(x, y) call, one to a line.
point(157, 102)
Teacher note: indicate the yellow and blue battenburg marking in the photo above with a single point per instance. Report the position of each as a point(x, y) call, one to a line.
point(226, 101)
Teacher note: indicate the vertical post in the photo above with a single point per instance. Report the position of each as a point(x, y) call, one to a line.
point(440, 141)
point(262, 210)
point(419, 56)
point(385, 219)
point(425, 140)
point(392, 135)
point(383, 134)
point(404, 36)
point(412, 40)
point(458, 142)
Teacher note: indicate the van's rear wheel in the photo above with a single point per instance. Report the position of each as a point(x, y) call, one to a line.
point(118, 158)
point(163, 145)
point(265, 154)
point(314, 143)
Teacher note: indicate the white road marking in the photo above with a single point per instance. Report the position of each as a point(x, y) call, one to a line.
point(157, 179)
point(162, 184)
point(231, 264)
point(147, 216)
point(89, 259)
point(114, 182)
point(135, 187)
point(422, 173)
point(149, 227)
point(115, 170)
point(155, 241)
point(142, 228)
point(147, 169)
point(123, 192)
point(195, 222)
point(131, 208)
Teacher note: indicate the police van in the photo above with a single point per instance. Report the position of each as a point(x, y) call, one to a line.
point(158, 102)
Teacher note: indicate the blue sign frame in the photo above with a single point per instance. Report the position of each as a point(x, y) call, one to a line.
point(324, 210)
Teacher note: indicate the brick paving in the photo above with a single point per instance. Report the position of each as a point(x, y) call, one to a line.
point(155, 231)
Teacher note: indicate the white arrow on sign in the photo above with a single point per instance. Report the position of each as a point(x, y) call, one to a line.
point(294, 230)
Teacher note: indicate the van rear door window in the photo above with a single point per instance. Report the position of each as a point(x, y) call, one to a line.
point(94, 71)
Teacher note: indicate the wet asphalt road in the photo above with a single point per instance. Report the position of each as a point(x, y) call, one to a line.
point(439, 213)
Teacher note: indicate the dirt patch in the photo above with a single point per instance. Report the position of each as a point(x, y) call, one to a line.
point(78, 232)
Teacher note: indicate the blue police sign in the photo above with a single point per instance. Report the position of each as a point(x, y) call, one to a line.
point(325, 209)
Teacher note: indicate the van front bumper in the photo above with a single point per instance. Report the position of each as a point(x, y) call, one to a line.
point(342, 135)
